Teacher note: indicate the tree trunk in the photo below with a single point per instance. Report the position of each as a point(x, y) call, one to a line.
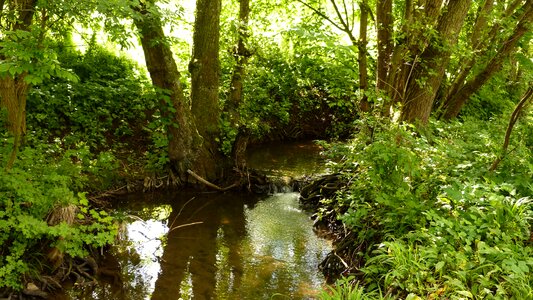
point(384, 27)
point(13, 94)
point(241, 55)
point(456, 100)
point(479, 29)
point(205, 74)
point(427, 77)
point(173, 104)
point(406, 54)
point(14, 89)
point(361, 45)
point(481, 41)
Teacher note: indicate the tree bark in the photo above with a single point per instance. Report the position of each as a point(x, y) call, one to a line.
point(13, 88)
point(362, 60)
point(241, 55)
point(398, 69)
point(456, 101)
point(385, 27)
point(384, 21)
point(13, 95)
point(173, 105)
point(420, 16)
point(205, 73)
point(481, 23)
point(427, 77)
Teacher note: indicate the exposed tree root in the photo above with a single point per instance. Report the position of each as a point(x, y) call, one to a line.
point(345, 258)
point(81, 272)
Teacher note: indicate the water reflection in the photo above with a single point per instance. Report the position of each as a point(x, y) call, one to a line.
point(287, 159)
point(282, 252)
point(189, 261)
point(216, 246)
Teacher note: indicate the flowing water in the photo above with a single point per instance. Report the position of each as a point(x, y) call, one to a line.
point(212, 246)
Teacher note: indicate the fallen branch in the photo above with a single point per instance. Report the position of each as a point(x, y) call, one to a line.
point(211, 185)
point(107, 193)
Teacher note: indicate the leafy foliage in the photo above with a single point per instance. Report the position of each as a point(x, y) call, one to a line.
point(440, 225)
point(31, 193)
point(77, 129)
point(301, 81)
point(108, 102)
point(346, 289)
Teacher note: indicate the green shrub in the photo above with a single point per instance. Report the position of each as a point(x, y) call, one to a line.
point(437, 222)
point(307, 85)
point(107, 104)
point(41, 207)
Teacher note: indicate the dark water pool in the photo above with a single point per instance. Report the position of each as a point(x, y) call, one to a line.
point(213, 246)
point(216, 245)
point(292, 159)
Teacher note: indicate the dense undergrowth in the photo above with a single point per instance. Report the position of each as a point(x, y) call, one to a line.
point(430, 221)
point(44, 216)
point(81, 137)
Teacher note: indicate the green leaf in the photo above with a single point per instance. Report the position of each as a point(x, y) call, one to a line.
point(412, 296)
point(466, 294)
point(439, 266)
point(4, 67)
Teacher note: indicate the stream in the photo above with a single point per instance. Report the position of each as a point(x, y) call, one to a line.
point(186, 245)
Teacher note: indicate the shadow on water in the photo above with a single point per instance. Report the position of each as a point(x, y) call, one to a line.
point(213, 246)
point(210, 246)
point(292, 159)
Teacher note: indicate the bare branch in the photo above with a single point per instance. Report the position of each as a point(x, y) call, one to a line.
point(347, 15)
point(353, 15)
point(522, 105)
point(341, 19)
point(321, 14)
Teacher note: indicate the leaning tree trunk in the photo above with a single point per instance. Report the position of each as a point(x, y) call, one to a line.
point(427, 76)
point(521, 106)
point(166, 78)
point(482, 39)
point(205, 75)
point(456, 101)
point(241, 55)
